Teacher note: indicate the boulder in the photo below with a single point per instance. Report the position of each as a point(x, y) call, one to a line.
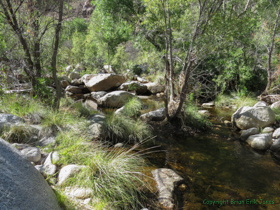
point(68, 171)
point(85, 79)
point(21, 186)
point(167, 180)
point(46, 141)
point(115, 99)
point(77, 82)
point(276, 134)
point(95, 125)
point(74, 89)
point(157, 115)
point(248, 117)
point(260, 141)
point(74, 75)
point(154, 88)
point(89, 104)
point(260, 103)
point(275, 105)
point(102, 82)
point(249, 132)
point(138, 87)
point(8, 120)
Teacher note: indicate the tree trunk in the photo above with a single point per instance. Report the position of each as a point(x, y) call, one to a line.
point(270, 50)
point(54, 56)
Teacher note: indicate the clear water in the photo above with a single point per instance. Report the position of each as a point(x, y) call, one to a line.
point(217, 169)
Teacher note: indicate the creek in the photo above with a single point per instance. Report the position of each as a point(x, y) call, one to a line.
point(218, 167)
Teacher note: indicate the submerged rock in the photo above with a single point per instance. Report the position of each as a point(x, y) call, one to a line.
point(167, 180)
point(248, 117)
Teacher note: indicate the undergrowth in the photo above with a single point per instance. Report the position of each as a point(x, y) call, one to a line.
point(235, 99)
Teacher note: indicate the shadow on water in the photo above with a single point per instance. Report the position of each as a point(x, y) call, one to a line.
point(219, 169)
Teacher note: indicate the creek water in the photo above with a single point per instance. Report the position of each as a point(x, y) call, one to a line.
point(220, 168)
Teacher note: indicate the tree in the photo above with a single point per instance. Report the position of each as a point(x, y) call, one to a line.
point(30, 20)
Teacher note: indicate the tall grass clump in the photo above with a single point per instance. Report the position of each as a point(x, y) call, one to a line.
point(113, 175)
point(235, 99)
point(191, 117)
point(123, 128)
point(132, 107)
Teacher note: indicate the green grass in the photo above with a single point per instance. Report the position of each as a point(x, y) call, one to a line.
point(238, 101)
point(112, 174)
point(132, 107)
point(277, 114)
point(192, 118)
point(17, 134)
point(121, 127)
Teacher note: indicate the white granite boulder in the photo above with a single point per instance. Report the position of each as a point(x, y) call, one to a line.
point(260, 141)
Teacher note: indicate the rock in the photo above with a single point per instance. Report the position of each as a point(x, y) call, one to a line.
point(34, 118)
point(7, 120)
point(167, 180)
point(157, 115)
point(74, 75)
point(138, 87)
point(228, 123)
point(74, 89)
point(249, 132)
point(139, 79)
point(32, 154)
point(21, 186)
point(204, 112)
point(68, 171)
point(275, 105)
point(91, 105)
point(64, 83)
point(260, 103)
point(276, 134)
point(115, 99)
point(102, 82)
point(154, 88)
point(77, 82)
point(275, 146)
point(86, 78)
point(249, 117)
point(260, 141)
point(208, 105)
point(267, 130)
point(95, 128)
point(49, 167)
point(46, 141)
point(97, 95)
point(81, 193)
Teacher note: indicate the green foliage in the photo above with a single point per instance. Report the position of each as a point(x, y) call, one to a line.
point(137, 70)
point(17, 134)
point(235, 99)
